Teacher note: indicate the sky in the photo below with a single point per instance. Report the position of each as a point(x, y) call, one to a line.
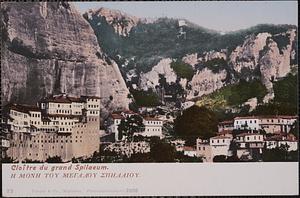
point(221, 16)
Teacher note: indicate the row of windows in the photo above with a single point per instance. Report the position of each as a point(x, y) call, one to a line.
point(93, 112)
point(203, 148)
point(93, 106)
point(35, 115)
point(246, 122)
point(63, 111)
point(153, 122)
point(35, 122)
point(248, 138)
point(218, 141)
point(154, 129)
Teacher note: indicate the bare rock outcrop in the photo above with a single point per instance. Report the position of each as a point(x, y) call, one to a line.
point(121, 22)
point(49, 48)
point(206, 82)
point(151, 79)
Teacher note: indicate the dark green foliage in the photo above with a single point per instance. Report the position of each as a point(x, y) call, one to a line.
point(184, 158)
point(286, 98)
point(183, 70)
point(151, 42)
point(139, 157)
point(55, 159)
point(272, 108)
point(219, 158)
point(196, 122)
point(145, 98)
point(6, 160)
point(279, 155)
point(282, 41)
point(286, 90)
point(129, 126)
point(215, 65)
point(243, 91)
point(31, 161)
point(161, 151)
point(295, 129)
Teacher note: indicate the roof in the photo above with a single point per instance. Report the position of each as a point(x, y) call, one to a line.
point(60, 99)
point(225, 132)
point(227, 122)
point(151, 119)
point(220, 137)
point(245, 134)
point(129, 112)
point(282, 137)
point(23, 108)
point(189, 148)
point(268, 116)
point(63, 98)
point(116, 116)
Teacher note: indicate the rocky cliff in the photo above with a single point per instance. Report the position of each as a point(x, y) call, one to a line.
point(263, 52)
point(121, 22)
point(49, 48)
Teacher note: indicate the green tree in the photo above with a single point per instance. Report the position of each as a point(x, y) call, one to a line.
point(279, 154)
point(183, 70)
point(219, 158)
point(55, 159)
point(196, 122)
point(129, 126)
point(161, 151)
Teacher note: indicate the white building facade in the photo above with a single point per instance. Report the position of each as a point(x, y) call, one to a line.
point(54, 128)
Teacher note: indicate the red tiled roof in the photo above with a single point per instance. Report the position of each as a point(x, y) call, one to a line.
point(62, 98)
point(23, 108)
point(116, 116)
point(225, 132)
point(282, 137)
point(59, 99)
point(268, 116)
point(129, 112)
point(189, 148)
point(220, 137)
point(244, 134)
point(227, 122)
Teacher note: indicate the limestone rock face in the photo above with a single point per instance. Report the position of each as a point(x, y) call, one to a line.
point(121, 22)
point(273, 64)
point(207, 56)
point(247, 55)
point(206, 82)
point(49, 48)
point(151, 79)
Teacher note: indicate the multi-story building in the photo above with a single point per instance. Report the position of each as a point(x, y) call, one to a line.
point(227, 125)
point(270, 124)
point(282, 139)
point(153, 126)
point(220, 145)
point(250, 145)
point(58, 126)
point(204, 150)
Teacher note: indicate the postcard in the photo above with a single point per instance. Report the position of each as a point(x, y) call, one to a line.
point(184, 98)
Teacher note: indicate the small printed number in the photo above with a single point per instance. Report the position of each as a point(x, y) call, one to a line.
point(9, 191)
point(132, 190)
